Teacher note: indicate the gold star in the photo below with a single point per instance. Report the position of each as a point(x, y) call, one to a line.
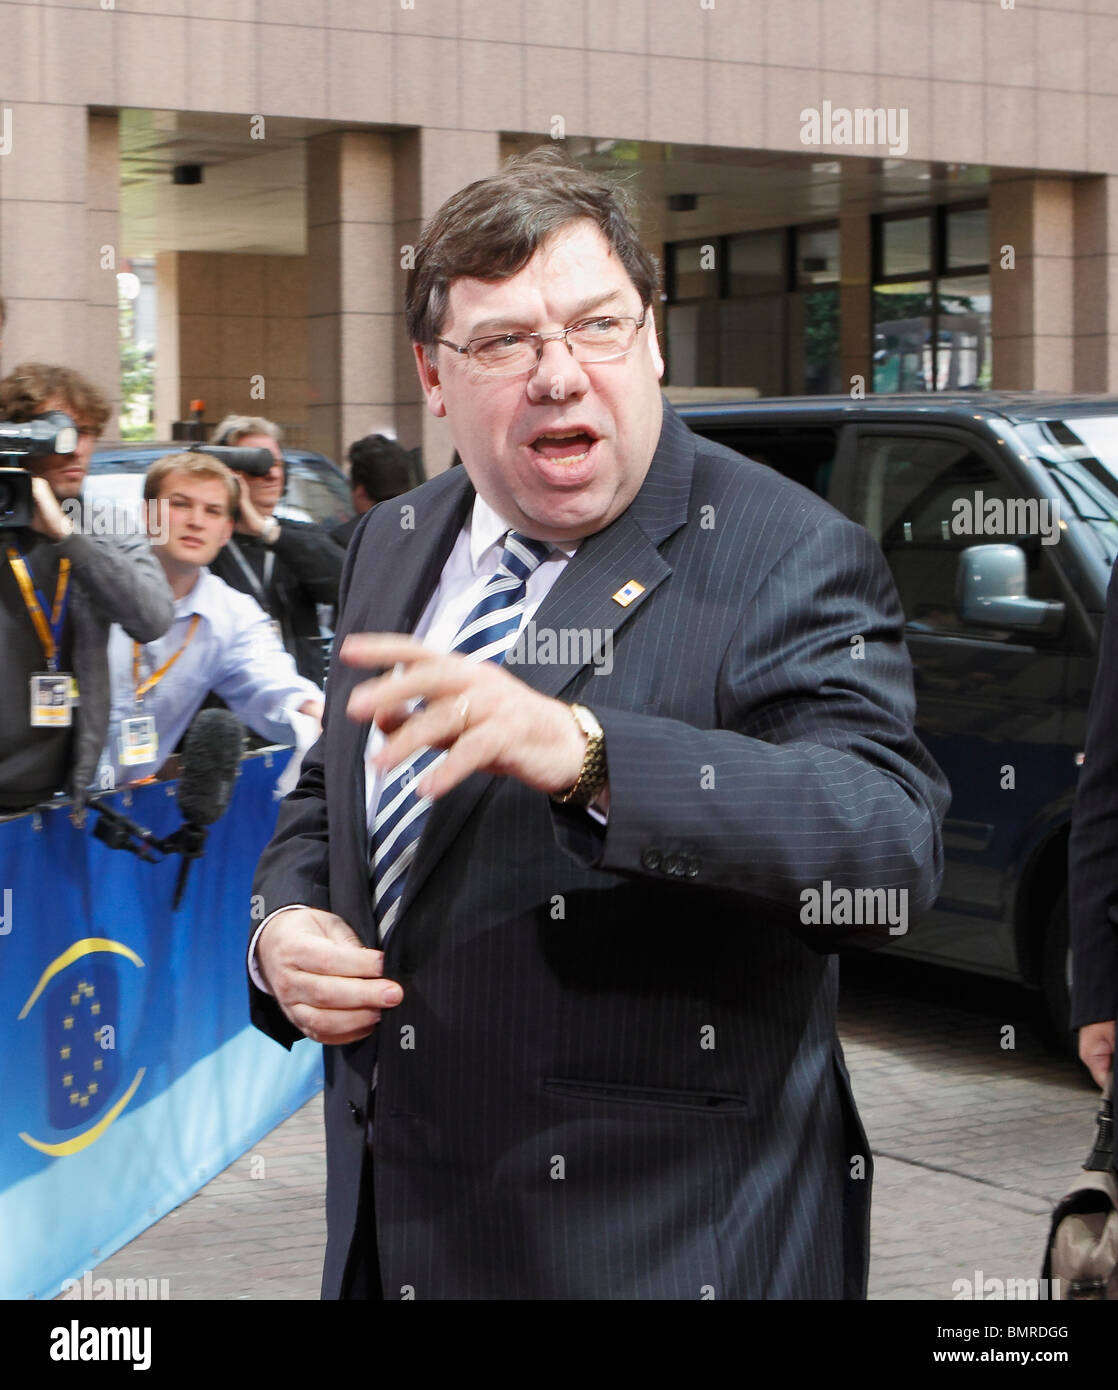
point(73, 1097)
point(97, 1064)
point(68, 1022)
point(92, 1088)
point(95, 1008)
point(68, 1079)
point(83, 1100)
point(74, 998)
point(64, 1053)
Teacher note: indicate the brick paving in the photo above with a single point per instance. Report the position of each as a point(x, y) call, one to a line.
point(973, 1143)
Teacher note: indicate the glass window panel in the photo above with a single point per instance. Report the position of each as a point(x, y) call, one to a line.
point(902, 337)
point(756, 263)
point(821, 342)
point(817, 257)
point(906, 246)
point(968, 238)
point(905, 494)
point(964, 360)
point(696, 270)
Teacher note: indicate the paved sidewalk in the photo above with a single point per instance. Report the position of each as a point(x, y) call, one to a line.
point(973, 1143)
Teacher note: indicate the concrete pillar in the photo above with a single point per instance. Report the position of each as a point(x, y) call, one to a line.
point(48, 264)
point(855, 300)
point(1032, 263)
point(1096, 284)
point(430, 165)
point(352, 304)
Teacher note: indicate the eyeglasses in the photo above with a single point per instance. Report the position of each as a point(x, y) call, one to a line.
point(592, 340)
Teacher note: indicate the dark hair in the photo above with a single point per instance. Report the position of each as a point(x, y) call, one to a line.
point(492, 228)
point(381, 467)
point(25, 392)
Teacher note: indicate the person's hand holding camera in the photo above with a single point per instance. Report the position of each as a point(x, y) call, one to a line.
point(49, 519)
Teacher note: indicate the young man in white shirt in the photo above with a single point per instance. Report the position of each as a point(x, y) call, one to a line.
point(220, 640)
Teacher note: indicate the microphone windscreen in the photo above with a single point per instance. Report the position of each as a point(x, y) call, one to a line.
point(241, 460)
point(211, 755)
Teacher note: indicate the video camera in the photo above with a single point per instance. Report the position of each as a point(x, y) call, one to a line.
point(51, 433)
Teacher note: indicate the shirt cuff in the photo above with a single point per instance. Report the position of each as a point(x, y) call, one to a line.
point(253, 969)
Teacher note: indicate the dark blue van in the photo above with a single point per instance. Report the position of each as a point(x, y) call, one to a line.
point(998, 515)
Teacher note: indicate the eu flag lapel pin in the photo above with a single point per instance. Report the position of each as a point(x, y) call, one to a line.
point(630, 590)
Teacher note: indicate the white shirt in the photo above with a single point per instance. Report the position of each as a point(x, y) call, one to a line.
point(234, 652)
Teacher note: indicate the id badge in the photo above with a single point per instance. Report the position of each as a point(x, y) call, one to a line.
point(139, 743)
point(50, 700)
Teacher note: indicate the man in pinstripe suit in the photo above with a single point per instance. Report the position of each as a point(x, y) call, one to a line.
point(545, 909)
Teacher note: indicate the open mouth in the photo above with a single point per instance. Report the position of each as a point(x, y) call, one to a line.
point(565, 446)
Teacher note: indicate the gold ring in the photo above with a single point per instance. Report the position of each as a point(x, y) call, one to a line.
point(462, 708)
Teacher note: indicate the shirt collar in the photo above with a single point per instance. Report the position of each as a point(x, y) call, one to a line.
point(488, 530)
point(201, 598)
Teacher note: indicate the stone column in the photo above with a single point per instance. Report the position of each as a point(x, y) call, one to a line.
point(1096, 284)
point(430, 165)
point(352, 305)
point(1032, 227)
point(47, 261)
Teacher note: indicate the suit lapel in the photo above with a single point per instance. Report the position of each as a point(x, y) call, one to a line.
point(583, 598)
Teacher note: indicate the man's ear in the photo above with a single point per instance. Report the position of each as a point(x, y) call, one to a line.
point(429, 380)
point(654, 346)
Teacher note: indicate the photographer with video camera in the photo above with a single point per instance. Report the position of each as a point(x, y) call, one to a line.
point(287, 566)
point(60, 589)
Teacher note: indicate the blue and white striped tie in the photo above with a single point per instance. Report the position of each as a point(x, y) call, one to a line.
point(487, 634)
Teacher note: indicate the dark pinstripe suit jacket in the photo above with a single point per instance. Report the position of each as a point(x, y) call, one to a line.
point(615, 1073)
point(1093, 849)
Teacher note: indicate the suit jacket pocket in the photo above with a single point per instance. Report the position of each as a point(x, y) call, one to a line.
point(611, 1092)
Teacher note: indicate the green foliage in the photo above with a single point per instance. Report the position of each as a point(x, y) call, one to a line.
point(137, 380)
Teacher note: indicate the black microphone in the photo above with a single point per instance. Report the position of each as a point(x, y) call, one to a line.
point(258, 462)
point(211, 756)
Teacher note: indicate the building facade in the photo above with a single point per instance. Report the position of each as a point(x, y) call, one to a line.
point(844, 194)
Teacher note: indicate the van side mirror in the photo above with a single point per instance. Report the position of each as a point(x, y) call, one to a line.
point(990, 591)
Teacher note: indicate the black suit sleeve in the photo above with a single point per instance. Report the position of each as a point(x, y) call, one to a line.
point(812, 771)
point(295, 865)
point(1093, 849)
point(313, 557)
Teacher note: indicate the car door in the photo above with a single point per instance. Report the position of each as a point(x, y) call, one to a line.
point(989, 701)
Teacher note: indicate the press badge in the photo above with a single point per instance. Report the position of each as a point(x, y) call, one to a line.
point(139, 743)
point(50, 700)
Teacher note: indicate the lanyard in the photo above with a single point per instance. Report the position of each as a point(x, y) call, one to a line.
point(156, 676)
point(49, 633)
point(260, 592)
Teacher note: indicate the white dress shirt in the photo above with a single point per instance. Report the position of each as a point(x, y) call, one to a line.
point(234, 652)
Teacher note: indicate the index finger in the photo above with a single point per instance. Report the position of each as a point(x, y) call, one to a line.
point(321, 956)
point(381, 649)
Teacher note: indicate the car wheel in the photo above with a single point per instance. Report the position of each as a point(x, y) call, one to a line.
point(1056, 976)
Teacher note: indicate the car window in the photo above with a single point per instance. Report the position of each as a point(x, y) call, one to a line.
point(924, 500)
point(320, 492)
point(806, 455)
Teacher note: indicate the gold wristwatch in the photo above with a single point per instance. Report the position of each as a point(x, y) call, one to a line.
point(593, 774)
